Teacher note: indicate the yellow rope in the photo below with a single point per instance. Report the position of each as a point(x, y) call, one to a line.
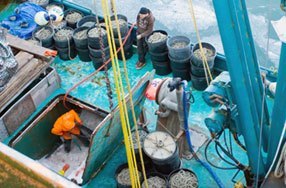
point(204, 58)
point(135, 179)
point(130, 93)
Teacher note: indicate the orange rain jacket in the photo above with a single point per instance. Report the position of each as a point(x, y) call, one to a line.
point(66, 125)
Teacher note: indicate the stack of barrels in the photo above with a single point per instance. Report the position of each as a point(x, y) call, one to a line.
point(44, 34)
point(123, 26)
point(64, 43)
point(199, 72)
point(98, 46)
point(80, 40)
point(179, 48)
point(157, 45)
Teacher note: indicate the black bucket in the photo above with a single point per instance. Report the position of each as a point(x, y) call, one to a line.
point(162, 182)
point(45, 41)
point(83, 54)
point(159, 57)
point(66, 41)
point(97, 53)
point(180, 64)
point(166, 162)
point(73, 23)
point(80, 42)
point(210, 55)
point(177, 182)
point(157, 47)
point(199, 83)
point(162, 68)
point(123, 28)
point(118, 172)
point(179, 52)
point(184, 74)
point(94, 41)
point(199, 71)
point(87, 21)
point(67, 53)
point(98, 62)
point(117, 43)
point(128, 52)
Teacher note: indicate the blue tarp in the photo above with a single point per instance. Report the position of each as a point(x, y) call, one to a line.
point(22, 23)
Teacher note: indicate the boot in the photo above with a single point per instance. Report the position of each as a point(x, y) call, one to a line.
point(67, 145)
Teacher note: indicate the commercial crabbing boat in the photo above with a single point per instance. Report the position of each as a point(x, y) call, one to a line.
point(41, 90)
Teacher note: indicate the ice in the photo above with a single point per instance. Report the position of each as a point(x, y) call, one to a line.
point(75, 159)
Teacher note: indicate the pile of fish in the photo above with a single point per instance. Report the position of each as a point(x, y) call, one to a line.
point(123, 177)
point(43, 33)
point(81, 35)
point(142, 135)
point(178, 45)
point(155, 182)
point(95, 32)
point(63, 34)
point(121, 22)
point(73, 17)
point(157, 37)
point(207, 52)
point(8, 65)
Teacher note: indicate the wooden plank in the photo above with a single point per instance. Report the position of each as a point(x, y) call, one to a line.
point(24, 76)
point(26, 46)
point(23, 58)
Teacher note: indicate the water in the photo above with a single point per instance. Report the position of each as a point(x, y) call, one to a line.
point(174, 17)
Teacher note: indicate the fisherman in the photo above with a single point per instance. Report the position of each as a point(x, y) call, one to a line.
point(145, 24)
point(67, 125)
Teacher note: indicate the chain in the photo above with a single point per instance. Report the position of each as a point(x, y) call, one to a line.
point(107, 80)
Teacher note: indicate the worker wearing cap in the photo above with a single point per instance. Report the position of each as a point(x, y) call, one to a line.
point(145, 24)
point(67, 125)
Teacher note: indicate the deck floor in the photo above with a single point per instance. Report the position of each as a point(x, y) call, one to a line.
point(94, 92)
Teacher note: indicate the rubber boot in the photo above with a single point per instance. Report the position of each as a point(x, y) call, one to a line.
point(84, 139)
point(67, 145)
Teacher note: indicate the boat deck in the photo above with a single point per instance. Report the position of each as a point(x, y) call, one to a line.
point(94, 92)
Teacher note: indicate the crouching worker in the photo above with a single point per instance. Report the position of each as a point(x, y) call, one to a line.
point(70, 124)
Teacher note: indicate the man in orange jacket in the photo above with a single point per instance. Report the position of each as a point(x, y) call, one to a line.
point(67, 125)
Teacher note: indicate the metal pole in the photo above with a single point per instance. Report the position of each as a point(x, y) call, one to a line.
point(237, 64)
point(278, 113)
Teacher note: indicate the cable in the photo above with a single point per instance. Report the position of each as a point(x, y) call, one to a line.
point(225, 142)
point(216, 148)
point(230, 142)
point(215, 166)
point(237, 141)
point(214, 175)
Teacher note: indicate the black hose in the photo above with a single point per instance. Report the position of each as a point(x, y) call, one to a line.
point(215, 166)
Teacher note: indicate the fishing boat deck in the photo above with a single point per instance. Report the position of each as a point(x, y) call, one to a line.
point(94, 92)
